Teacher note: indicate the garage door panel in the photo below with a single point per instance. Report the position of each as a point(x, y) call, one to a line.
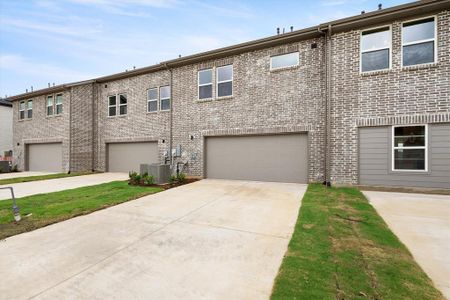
point(126, 157)
point(45, 157)
point(278, 158)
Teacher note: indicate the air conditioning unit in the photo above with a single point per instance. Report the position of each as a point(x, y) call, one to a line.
point(160, 173)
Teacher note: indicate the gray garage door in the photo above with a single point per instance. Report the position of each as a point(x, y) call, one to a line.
point(126, 157)
point(45, 157)
point(278, 158)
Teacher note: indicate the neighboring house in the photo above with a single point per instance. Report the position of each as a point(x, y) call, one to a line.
point(361, 100)
point(6, 127)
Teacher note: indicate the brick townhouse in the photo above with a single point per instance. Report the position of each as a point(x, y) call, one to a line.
point(360, 100)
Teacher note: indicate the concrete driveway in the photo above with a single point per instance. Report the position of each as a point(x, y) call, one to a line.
point(54, 185)
point(422, 222)
point(213, 239)
point(22, 174)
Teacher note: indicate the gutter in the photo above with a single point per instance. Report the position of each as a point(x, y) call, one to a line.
point(170, 116)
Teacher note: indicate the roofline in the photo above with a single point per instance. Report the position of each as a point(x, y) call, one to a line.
point(340, 25)
point(7, 104)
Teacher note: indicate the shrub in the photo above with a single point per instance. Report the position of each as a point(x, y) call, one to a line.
point(148, 179)
point(173, 179)
point(133, 179)
point(181, 177)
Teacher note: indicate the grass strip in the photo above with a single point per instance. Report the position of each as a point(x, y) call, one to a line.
point(55, 207)
point(40, 177)
point(342, 249)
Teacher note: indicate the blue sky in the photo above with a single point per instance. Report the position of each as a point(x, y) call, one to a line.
point(62, 41)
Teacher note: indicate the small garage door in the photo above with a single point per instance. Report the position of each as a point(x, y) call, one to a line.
point(45, 157)
point(278, 158)
point(126, 157)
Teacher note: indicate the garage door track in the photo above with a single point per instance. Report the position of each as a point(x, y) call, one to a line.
point(213, 239)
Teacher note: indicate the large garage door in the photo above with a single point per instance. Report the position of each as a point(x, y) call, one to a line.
point(126, 157)
point(279, 158)
point(45, 157)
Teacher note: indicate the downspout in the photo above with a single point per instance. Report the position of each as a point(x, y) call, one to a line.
point(328, 107)
point(94, 111)
point(70, 129)
point(170, 115)
point(327, 133)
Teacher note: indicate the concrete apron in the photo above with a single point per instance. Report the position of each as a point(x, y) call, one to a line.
point(213, 239)
point(422, 223)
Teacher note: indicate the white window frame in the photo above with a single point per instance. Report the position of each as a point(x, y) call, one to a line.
point(224, 81)
point(28, 109)
point(205, 84)
point(411, 148)
point(421, 41)
point(115, 105)
point(56, 104)
point(119, 105)
point(377, 49)
point(52, 106)
point(22, 110)
point(167, 98)
point(153, 100)
point(285, 67)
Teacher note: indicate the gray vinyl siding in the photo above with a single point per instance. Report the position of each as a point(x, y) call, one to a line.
point(375, 159)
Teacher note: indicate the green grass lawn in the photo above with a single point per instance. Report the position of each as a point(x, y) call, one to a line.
point(342, 249)
point(40, 177)
point(55, 207)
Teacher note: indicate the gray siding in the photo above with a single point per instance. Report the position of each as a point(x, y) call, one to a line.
point(375, 159)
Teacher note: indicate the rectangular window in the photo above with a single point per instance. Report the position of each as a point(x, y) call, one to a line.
point(59, 104)
point(21, 110)
point(409, 151)
point(225, 81)
point(49, 105)
point(123, 104)
point(152, 100)
point(284, 61)
point(205, 84)
point(112, 106)
point(376, 49)
point(164, 96)
point(419, 42)
point(30, 109)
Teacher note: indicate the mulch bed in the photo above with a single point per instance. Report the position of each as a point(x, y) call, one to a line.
point(167, 186)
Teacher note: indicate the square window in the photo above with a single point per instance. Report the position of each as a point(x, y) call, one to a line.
point(152, 100)
point(409, 148)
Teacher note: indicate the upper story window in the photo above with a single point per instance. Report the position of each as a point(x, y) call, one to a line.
point(419, 42)
point(284, 61)
point(21, 110)
point(164, 96)
point(59, 104)
point(117, 105)
point(376, 49)
point(50, 104)
point(112, 105)
point(123, 104)
point(225, 81)
point(30, 109)
point(409, 151)
point(205, 85)
point(152, 100)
